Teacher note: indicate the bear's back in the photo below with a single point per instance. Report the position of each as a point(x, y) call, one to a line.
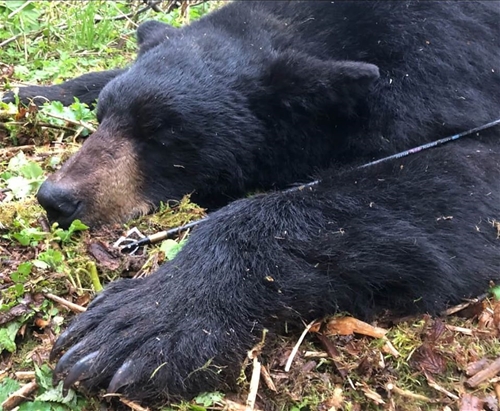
point(439, 61)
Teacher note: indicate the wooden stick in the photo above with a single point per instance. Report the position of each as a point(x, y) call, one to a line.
point(25, 375)
point(19, 396)
point(267, 378)
point(72, 306)
point(464, 305)
point(15, 149)
point(254, 385)
point(407, 394)
point(297, 345)
point(474, 367)
point(132, 405)
point(489, 372)
point(333, 354)
point(437, 387)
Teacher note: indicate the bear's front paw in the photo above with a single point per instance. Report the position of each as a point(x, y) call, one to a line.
point(37, 95)
point(138, 337)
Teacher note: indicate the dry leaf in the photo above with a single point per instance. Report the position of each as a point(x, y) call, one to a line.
point(333, 403)
point(470, 402)
point(428, 360)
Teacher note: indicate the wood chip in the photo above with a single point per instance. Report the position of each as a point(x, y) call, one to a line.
point(470, 402)
point(373, 395)
point(333, 353)
point(267, 378)
point(234, 406)
point(351, 325)
point(497, 392)
point(489, 372)
point(474, 367)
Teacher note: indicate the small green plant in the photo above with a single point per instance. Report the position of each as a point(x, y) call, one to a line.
point(55, 113)
point(28, 236)
point(495, 291)
point(48, 398)
point(64, 236)
point(8, 336)
point(22, 177)
point(206, 400)
point(171, 247)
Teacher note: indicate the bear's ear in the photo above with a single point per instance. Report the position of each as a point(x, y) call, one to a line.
point(297, 80)
point(151, 33)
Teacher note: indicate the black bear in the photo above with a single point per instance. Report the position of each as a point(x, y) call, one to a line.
point(258, 96)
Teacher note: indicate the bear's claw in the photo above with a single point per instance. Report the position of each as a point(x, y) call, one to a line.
point(124, 376)
point(82, 369)
point(62, 341)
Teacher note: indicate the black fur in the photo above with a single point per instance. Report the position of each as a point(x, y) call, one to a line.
point(263, 95)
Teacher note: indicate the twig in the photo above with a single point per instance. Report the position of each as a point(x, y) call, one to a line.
point(19, 396)
point(474, 367)
point(33, 33)
point(25, 375)
point(489, 372)
point(297, 345)
point(98, 19)
point(407, 394)
point(388, 348)
point(133, 405)
point(462, 306)
point(84, 124)
point(254, 385)
point(466, 331)
point(267, 378)
point(16, 149)
point(12, 14)
point(71, 306)
point(333, 353)
point(437, 387)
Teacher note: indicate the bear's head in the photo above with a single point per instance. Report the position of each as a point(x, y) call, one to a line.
point(202, 116)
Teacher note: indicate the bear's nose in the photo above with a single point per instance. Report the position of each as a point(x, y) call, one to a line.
point(59, 203)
